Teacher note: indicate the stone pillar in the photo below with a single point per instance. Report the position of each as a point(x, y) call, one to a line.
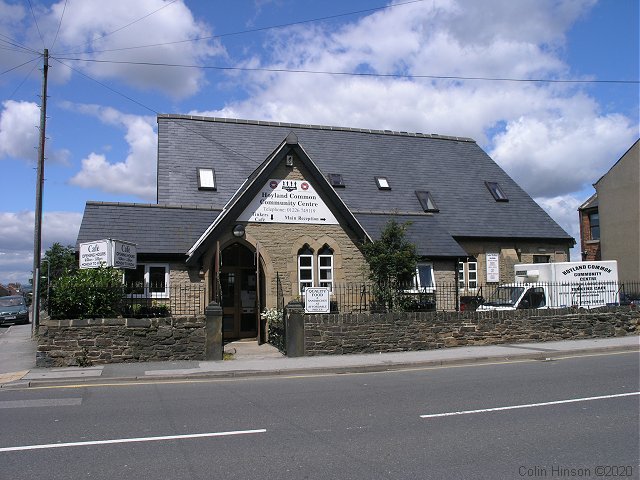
point(213, 332)
point(294, 318)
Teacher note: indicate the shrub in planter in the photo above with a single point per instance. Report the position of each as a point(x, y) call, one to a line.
point(87, 293)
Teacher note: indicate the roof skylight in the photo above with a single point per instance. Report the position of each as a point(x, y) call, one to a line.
point(496, 191)
point(383, 183)
point(426, 201)
point(206, 179)
point(336, 180)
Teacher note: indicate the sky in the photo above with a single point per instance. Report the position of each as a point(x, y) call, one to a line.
point(430, 66)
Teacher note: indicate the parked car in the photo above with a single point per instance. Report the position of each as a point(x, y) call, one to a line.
point(13, 309)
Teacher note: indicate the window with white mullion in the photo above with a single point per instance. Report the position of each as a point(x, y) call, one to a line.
point(472, 275)
point(305, 272)
point(325, 271)
point(461, 283)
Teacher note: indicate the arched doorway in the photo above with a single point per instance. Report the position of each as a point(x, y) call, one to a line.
point(242, 291)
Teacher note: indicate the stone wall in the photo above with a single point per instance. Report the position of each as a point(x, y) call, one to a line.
point(393, 332)
point(115, 340)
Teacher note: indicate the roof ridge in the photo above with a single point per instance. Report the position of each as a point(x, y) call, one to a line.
point(155, 205)
point(314, 127)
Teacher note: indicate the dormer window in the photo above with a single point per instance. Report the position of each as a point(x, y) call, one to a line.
point(206, 179)
point(496, 191)
point(426, 201)
point(383, 183)
point(336, 180)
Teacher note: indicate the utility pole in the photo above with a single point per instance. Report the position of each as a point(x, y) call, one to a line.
point(37, 231)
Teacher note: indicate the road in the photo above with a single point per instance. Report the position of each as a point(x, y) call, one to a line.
point(569, 418)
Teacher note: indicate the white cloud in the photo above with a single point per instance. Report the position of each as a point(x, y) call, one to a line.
point(109, 34)
point(136, 175)
point(16, 240)
point(19, 133)
point(562, 153)
point(558, 129)
point(564, 210)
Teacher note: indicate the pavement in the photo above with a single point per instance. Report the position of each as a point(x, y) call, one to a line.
point(18, 352)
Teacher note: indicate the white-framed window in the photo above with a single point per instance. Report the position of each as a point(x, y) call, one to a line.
point(461, 282)
point(423, 280)
point(305, 269)
point(472, 275)
point(325, 267)
point(468, 274)
point(148, 280)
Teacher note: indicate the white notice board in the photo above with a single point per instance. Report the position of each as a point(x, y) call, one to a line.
point(316, 300)
point(493, 267)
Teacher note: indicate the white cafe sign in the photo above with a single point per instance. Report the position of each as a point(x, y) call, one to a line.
point(108, 253)
point(288, 201)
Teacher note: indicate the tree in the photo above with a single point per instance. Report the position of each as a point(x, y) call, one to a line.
point(56, 262)
point(392, 260)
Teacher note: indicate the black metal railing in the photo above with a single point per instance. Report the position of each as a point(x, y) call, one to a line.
point(368, 297)
point(123, 301)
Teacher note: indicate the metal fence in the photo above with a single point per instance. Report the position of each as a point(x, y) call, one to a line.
point(125, 301)
point(367, 297)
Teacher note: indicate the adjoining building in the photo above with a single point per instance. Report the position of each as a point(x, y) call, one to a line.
point(261, 210)
point(610, 219)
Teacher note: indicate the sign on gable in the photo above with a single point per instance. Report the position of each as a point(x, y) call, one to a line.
point(288, 201)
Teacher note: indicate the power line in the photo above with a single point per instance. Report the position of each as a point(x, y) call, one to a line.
point(23, 80)
point(14, 43)
point(242, 32)
point(21, 65)
point(127, 25)
point(355, 74)
point(64, 9)
point(36, 22)
point(200, 134)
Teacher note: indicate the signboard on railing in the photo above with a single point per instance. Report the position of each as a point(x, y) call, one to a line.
point(316, 300)
point(108, 253)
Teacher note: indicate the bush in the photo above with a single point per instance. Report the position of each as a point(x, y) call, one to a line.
point(87, 293)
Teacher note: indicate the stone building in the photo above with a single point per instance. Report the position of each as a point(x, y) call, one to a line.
point(258, 211)
point(610, 219)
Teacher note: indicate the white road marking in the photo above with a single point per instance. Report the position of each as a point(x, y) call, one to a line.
point(530, 405)
point(42, 402)
point(131, 440)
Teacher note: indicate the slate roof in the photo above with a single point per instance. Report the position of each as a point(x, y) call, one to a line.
point(454, 170)
point(155, 229)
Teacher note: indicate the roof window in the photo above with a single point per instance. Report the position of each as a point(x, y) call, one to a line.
point(426, 201)
point(336, 180)
point(496, 191)
point(383, 183)
point(206, 179)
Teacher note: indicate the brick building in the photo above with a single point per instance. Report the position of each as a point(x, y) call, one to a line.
point(590, 229)
point(271, 208)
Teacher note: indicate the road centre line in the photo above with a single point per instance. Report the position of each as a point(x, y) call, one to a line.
point(130, 440)
point(530, 405)
point(41, 402)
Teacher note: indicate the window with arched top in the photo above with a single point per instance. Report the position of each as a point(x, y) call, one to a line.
point(325, 267)
point(305, 268)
